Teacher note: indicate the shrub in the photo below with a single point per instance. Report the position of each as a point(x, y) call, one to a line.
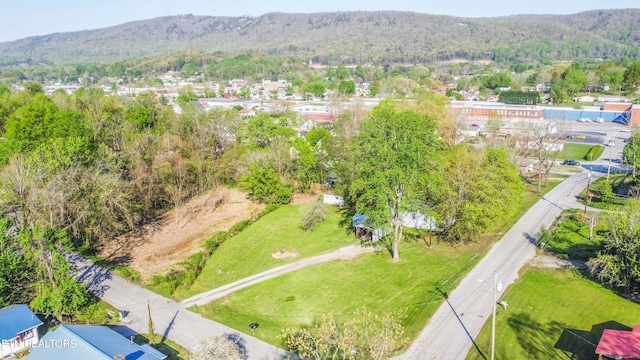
point(239, 226)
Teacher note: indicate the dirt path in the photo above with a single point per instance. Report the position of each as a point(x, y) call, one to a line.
point(180, 233)
point(552, 262)
point(344, 253)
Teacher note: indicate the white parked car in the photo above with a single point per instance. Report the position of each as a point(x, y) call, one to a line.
point(600, 120)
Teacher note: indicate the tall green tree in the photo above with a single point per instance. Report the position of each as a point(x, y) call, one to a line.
point(618, 263)
point(479, 193)
point(631, 152)
point(394, 159)
point(632, 76)
point(347, 87)
point(264, 185)
point(263, 129)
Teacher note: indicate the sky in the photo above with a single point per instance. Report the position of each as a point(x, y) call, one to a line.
point(24, 18)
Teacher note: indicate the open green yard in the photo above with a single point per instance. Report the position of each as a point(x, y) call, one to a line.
point(372, 281)
point(553, 314)
point(250, 252)
point(580, 152)
point(571, 236)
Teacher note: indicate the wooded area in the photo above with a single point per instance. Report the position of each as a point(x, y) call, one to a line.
point(373, 37)
point(89, 167)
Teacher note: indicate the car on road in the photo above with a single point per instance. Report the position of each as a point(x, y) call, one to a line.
point(570, 163)
point(626, 130)
point(581, 137)
point(599, 120)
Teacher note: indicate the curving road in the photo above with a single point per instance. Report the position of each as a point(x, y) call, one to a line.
point(172, 319)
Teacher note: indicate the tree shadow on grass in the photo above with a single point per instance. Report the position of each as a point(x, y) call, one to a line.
point(580, 344)
point(535, 338)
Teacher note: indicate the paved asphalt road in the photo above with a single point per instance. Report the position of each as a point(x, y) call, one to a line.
point(450, 332)
point(173, 320)
point(170, 318)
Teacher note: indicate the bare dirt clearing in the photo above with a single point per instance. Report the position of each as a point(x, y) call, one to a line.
point(552, 262)
point(180, 233)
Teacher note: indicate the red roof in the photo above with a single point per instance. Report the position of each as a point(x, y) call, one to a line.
point(325, 117)
point(615, 343)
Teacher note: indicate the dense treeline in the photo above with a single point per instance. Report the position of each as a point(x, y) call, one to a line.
point(519, 97)
point(89, 166)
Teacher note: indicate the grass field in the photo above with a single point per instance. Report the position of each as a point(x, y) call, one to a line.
point(372, 281)
point(300, 298)
point(580, 152)
point(553, 313)
point(571, 238)
point(614, 203)
point(250, 251)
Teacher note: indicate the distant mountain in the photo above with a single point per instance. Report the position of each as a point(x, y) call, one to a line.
point(349, 37)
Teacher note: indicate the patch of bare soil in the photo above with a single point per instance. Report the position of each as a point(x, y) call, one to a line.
point(299, 198)
point(284, 254)
point(552, 262)
point(180, 233)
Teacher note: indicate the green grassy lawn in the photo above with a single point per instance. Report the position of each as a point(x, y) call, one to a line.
point(372, 281)
point(250, 251)
point(580, 152)
point(300, 298)
point(615, 203)
point(552, 314)
point(571, 237)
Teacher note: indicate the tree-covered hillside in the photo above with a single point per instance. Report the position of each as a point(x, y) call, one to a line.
point(349, 37)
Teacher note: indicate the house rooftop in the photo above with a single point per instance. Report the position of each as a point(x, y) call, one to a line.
point(619, 344)
point(15, 319)
point(89, 342)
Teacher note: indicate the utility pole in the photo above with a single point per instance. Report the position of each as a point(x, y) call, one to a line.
point(587, 197)
point(497, 287)
point(609, 167)
point(493, 316)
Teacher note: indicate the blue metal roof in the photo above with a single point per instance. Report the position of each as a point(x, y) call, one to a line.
point(358, 219)
point(15, 319)
point(88, 342)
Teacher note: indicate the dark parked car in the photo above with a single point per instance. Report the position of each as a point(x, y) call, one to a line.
point(570, 162)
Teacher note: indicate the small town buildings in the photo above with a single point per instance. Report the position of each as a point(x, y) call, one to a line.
point(18, 329)
point(85, 342)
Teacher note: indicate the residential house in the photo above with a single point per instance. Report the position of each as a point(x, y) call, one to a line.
point(18, 329)
point(619, 344)
point(90, 342)
point(366, 233)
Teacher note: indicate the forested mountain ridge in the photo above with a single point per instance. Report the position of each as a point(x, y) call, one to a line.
point(349, 37)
